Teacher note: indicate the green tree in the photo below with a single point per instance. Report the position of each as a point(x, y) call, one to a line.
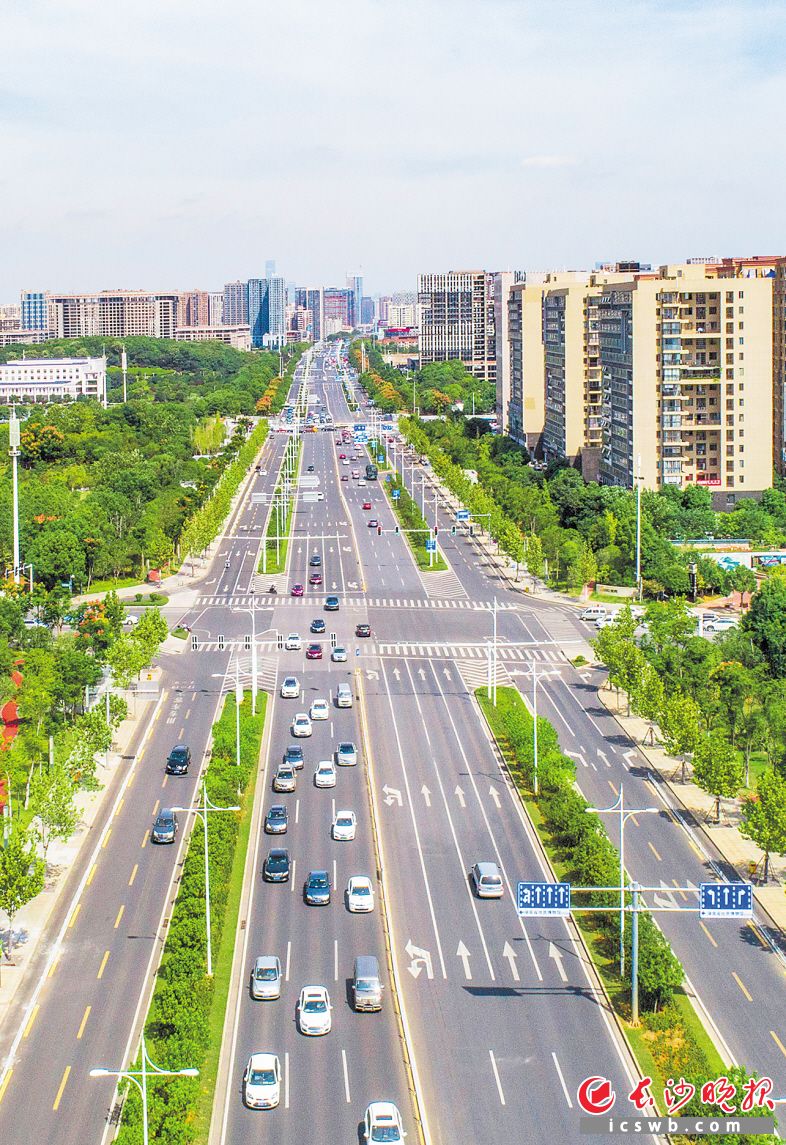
point(765, 622)
point(660, 971)
point(743, 581)
point(52, 803)
point(764, 817)
point(717, 769)
point(679, 724)
point(534, 556)
point(21, 879)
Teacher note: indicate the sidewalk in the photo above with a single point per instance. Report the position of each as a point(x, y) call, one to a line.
point(741, 854)
point(36, 925)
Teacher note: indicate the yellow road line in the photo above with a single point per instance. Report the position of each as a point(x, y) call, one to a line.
point(91, 876)
point(741, 985)
point(695, 849)
point(4, 1086)
point(163, 781)
point(773, 1035)
point(54, 966)
point(611, 785)
point(56, 1105)
point(119, 916)
point(634, 820)
point(106, 837)
point(155, 809)
point(120, 804)
point(680, 892)
point(655, 853)
point(704, 928)
point(83, 1023)
point(30, 1021)
point(72, 920)
point(133, 873)
point(144, 839)
point(102, 967)
point(758, 934)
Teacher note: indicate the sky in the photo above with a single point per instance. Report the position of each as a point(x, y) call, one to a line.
point(172, 144)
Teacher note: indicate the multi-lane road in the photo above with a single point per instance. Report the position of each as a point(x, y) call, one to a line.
point(500, 1018)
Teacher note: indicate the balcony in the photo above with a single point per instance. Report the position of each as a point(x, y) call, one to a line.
point(701, 421)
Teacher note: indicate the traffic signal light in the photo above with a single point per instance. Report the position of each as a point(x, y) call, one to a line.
point(398, 530)
point(452, 530)
point(194, 643)
point(379, 530)
point(247, 642)
point(472, 530)
point(436, 530)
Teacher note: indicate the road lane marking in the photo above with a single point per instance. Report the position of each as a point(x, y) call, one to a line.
point(613, 788)
point(133, 873)
point(76, 911)
point(292, 876)
point(83, 1023)
point(54, 965)
point(31, 1019)
point(91, 876)
point(56, 1105)
point(757, 932)
point(297, 810)
point(7, 1078)
point(117, 809)
point(105, 839)
point(156, 807)
point(102, 967)
point(655, 853)
point(681, 892)
point(496, 1077)
point(163, 781)
point(741, 985)
point(289, 955)
point(119, 916)
point(335, 876)
point(704, 928)
point(562, 1081)
point(144, 840)
point(335, 960)
point(694, 848)
point(773, 1035)
point(286, 1081)
point(346, 1076)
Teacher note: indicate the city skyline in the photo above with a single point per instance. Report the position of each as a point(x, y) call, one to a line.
point(142, 196)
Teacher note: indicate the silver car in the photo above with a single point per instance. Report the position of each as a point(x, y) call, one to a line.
point(488, 881)
point(285, 778)
point(266, 978)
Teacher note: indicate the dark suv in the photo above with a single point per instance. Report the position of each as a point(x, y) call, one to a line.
point(165, 827)
point(179, 760)
point(275, 868)
point(294, 756)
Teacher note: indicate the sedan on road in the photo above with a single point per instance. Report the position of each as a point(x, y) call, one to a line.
point(276, 820)
point(262, 1082)
point(346, 754)
point(165, 827)
point(290, 688)
point(366, 504)
point(344, 827)
point(314, 652)
point(383, 1123)
point(301, 726)
point(487, 881)
point(297, 590)
point(293, 643)
point(285, 778)
point(360, 895)
point(315, 578)
point(373, 523)
point(339, 655)
point(294, 756)
point(178, 760)
point(317, 625)
point(315, 561)
point(266, 978)
point(275, 868)
point(316, 889)
point(319, 710)
point(313, 1011)
point(363, 630)
point(325, 775)
point(331, 604)
point(344, 477)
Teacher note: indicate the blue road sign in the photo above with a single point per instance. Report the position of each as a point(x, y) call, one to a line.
point(725, 900)
point(535, 899)
point(360, 427)
point(462, 514)
point(389, 477)
point(380, 459)
point(396, 492)
point(387, 427)
point(431, 545)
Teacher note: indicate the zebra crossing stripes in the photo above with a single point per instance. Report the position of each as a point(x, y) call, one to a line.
point(264, 600)
point(445, 585)
point(469, 652)
point(475, 675)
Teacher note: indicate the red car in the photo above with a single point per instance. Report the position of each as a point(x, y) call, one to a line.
point(366, 504)
point(345, 477)
point(315, 578)
point(362, 630)
point(314, 652)
point(297, 590)
point(342, 456)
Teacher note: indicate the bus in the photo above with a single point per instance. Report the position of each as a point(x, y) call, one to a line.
point(371, 472)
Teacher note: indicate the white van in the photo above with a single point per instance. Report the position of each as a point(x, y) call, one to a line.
point(593, 612)
point(343, 696)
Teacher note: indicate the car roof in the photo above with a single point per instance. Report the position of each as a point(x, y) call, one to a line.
point(268, 961)
point(314, 991)
point(317, 874)
point(278, 853)
point(344, 811)
point(360, 879)
point(263, 1061)
point(326, 763)
point(487, 869)
point(383, 1109)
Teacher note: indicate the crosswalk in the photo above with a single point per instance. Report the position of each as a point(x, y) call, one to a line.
point(510, 653)
point(475, 675)
point(281, 598)
point(444, 585)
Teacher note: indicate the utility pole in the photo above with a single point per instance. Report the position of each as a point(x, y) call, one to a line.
point(638, 529)
point(124, 367)
point(15, 438)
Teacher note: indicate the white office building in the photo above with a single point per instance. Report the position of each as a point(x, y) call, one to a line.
point(53, 379)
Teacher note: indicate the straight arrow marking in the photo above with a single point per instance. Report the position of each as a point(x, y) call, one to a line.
point(465, 956)
point(509, 953)
point(556, 954)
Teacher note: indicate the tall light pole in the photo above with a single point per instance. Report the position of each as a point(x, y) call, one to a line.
point(202, 813)
point(536, 679)
point(14, 439)
point(254, 670)
point(624, 814)
point(148, 1067)
point(638, 479)
point(124, 367)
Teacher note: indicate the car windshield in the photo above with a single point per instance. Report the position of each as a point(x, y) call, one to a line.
point(325, 769)
point(277, 862)
point(164, 821)
point(346, 747)
point(179, 754)
point(315, 1006)
point(267, 974)
point(344, 820)
point(319, 881)
point(385, 1133)
point(290, 682)
point(267, 1077)
point(361, 889)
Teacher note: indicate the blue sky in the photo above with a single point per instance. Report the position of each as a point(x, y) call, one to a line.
point(165, 143)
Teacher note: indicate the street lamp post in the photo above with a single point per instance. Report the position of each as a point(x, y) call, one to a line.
point(14, 439)
point(638, 480)
point(254, 666)
point(148, 1067)
point(202, 813)
point(618, 808)
point(536, 678)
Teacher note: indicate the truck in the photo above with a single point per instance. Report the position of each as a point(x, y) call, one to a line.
point(371, 472)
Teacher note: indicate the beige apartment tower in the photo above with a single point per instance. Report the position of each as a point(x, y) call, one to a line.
point(457, 319)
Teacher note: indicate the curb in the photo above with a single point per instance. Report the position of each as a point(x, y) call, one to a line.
point(397, 996)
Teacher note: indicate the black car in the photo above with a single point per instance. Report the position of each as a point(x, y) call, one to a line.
point(276, 820)
point(294, 756)
point(275, 868)
point(317, 625)
point(316, 889)
point(316, 561)
point(165, 827)
point(179, 760)
point(311, 468)
point(363, 630)
point(331, 604)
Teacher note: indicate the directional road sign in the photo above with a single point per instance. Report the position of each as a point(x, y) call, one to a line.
point(387, 427)
point(396, 493)
point(462, 514)
point(725, 900)
point(380, 459)
point(535, 899)
point(431, 545)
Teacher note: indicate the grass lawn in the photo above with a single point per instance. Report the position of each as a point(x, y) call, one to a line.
point(610, 598)
point(113, 583)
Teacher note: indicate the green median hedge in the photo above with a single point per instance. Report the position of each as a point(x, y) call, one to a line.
point(178, 1026)
point(410, 517)
point(206, 523)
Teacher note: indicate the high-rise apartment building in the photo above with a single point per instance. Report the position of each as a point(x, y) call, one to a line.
point(194, 308)
point(457, 320)
point(258, 309)
point(503, 281)
point(216, 307)
point(337, 304)
point(277, 309)
point(112, 314)
point(235, 310)
point(34, 316)
point(355, 289)
point(368, 311)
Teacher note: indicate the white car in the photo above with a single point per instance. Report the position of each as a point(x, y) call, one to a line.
point(360, 895)
point(346, 754)
point(313, 1011)
point(383, 1123)
point(293, 643)
point(290, 688)
point(266, 978)
point(344, 826)
point(604, 620)
point(339, 655)
point(720, 624)
point(319, 710)
point(325, 775)
point(301, 726)
point(262, 1082)
point(129, 620)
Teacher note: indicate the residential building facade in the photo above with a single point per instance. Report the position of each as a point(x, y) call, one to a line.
point(53, 379)
point(457, 320)
point(277, 310)
point(235, 311)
